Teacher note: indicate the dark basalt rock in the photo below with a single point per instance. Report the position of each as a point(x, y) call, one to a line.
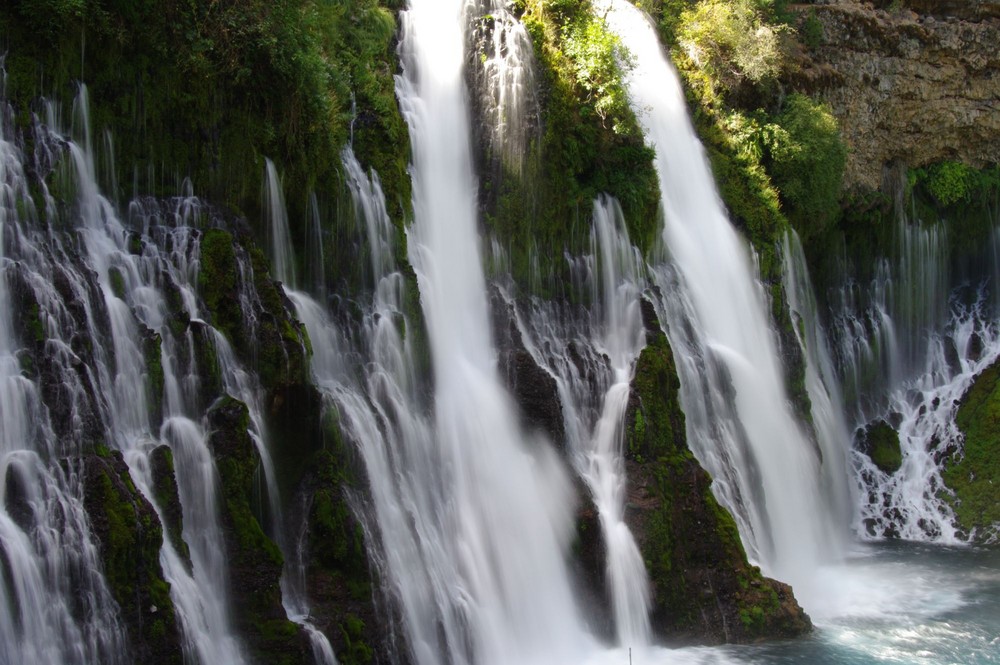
point(161, 463)
point(255, 562)
point(337, 567)
point(880, 441)
point(533, 388)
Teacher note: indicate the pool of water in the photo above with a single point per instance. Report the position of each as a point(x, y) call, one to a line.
point(902, 603)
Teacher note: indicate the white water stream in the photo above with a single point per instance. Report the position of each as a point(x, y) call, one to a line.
point(767, 470)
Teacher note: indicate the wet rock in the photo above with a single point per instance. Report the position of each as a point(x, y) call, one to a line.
point(534, 389)
point(880, 441)
point(255, 562)
point(161, 465)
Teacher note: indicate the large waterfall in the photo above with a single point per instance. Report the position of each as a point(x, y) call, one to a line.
point(740, 423)
point(503, 511)
point(114, 368)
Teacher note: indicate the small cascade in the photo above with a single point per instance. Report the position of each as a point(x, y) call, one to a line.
point(591, 353)
point(55, 606)
point(739, 421)
point(882, 329)
point(822, 384)
point(909, 344)
point(279, 237)
point(245, 387)
point(507, 79)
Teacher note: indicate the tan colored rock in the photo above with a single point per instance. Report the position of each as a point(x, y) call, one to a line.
point(908, 88)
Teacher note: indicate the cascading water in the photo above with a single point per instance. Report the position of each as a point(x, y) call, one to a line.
point(508, 85)
point(592, 356)
point(906, 359)
point(822, 384)
point(739, 421)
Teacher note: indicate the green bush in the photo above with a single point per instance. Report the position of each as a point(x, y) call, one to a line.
point(949, 182)
point(731, 43)
point(807, 163)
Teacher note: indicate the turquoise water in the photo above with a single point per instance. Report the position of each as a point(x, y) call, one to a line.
point(898, 603)
point(902, 603)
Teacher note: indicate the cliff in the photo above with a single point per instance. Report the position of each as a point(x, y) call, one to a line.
point(911, 83)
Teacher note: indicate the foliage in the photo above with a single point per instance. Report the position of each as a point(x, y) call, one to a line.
point(953, 183)
point(598, 58)
point(731, 43)
point(807, 163)
point(812, 30)
point(589, 143)
point(205, 90)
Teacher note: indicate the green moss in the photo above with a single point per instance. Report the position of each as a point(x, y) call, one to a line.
point(117, 282)
point(255, 562)
point(218, 283)
point(974, 474)
point(36, 329)
point(881, 443)
point(702, 583)
point(161, 461)
point(355, 651)
point(130, 537)
point(154, 375)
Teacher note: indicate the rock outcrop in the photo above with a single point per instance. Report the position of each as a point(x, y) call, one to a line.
point(129, 536)
point(704, 590)
point(911, 83)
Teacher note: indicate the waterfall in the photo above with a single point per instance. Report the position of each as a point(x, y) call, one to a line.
point(591, 353)
point(508, 88)
point(502, 510)
point(92, 276)
point(909, 341)
point(822, 383)
point(245, 387)
point(282, 255)
point(740, 424)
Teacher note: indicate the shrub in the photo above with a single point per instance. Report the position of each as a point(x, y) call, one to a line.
point(732, 43)
point(807, 163)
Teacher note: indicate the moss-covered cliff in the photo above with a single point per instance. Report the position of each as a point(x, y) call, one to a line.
point(974, 474)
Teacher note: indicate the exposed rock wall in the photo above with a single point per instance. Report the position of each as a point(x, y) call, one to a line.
point(912, 83)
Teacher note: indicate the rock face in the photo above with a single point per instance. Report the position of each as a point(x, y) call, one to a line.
point(255, 562)
point(912, 84)
point(704, 590)
point(534, 388)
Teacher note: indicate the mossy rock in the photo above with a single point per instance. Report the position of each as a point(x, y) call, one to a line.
point(339, 572)
point(880, 441)
point(973, 473)
point(161, 466)
point(129, 536)
point(255, 562)
point(704, 590)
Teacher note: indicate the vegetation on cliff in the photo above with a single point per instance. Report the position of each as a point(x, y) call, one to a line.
point(129, 535)
point(588, 143)
point(204, 91)
point(974, 473)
